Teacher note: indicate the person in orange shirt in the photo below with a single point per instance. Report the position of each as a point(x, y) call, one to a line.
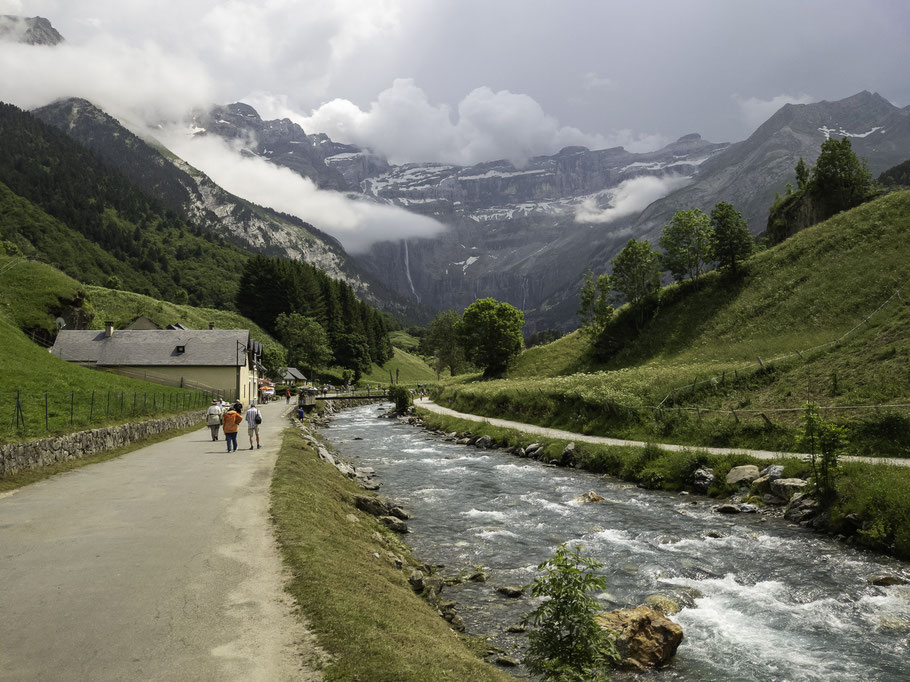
point(231, 423)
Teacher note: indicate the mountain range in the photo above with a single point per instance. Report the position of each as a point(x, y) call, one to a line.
point(524, 234)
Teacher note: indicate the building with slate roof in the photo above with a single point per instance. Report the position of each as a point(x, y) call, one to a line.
point(292, 376)
point(223, 361)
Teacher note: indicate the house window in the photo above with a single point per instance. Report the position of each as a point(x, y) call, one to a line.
point(180, 349)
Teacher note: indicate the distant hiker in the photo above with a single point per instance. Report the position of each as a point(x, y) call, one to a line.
point(300, 413)
point(213, 417)
point(253, 420)
point(232, 419)
point(287, 396)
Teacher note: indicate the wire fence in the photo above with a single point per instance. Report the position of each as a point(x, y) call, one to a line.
point(29, 414)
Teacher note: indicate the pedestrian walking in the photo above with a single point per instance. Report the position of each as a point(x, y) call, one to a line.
point(253, 419)
point(231, 424)
point(287, 396)
point(213, 417)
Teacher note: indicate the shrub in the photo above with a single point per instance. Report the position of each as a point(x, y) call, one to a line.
point(401, 397)
point(567, 644)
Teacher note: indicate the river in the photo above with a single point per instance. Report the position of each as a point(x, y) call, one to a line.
point(766, 600)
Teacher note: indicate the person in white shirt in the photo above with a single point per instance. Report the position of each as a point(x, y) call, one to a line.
point(253, 418)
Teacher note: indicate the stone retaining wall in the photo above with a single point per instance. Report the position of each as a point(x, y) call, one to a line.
point(32, 454)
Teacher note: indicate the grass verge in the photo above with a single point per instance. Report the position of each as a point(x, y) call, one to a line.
point(871, 504)
point(23, 478)
point(358, 602)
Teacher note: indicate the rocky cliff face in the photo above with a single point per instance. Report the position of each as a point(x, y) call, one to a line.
point(29, 30)
point(195, 196)
point(280, 141)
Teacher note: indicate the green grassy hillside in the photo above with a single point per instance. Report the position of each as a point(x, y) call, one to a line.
point(411, 370)
point(32, 295)
point(816, 317)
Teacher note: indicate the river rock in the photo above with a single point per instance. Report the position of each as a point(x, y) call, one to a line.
point(885, 580)
point(644, 638)
point(773, 500)
point(801, 508)
point(399, 513)
point(773, 471)
point(727, 509)
point(589, 497)
point(478, 577)
point(786, 488)
point(532, 449)
point(484, 443)
point(761, 486)
point(511, 591)
point(394, 524)
point(416, 581)
point(742, 475)
point(506, 661)
point(371, 505)
point(663, 604)
point(703, 478)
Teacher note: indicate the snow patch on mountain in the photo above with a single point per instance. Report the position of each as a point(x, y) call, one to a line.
point(840, 132)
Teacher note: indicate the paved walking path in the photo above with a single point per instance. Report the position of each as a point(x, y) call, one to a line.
point(157, 565)
point(428, 404)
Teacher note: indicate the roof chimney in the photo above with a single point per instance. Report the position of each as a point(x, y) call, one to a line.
point(211, 325)
point(108, 329)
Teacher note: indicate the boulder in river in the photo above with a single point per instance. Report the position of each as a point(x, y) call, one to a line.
point(786, 488)
point(801, 508)
point(484, 442)
point(644, 638)
point(742, 475)
point(773, 471)
point(703, 478)
point(511, 591)
point(392, 523)
point(589, 497)
point(727, 509)
point(885, 580)
point(663, 604)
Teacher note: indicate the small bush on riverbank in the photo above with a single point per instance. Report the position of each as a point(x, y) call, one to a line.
point(360, 605)
point(567, 644)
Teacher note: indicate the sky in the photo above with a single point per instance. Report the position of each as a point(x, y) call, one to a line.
point(466, 81)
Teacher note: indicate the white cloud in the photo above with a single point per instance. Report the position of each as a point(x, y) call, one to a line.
point(141, 82)
point(12, 7)
point(355, 223)
point(628, 198)
point(593, 81)
point(403, 125)
point(755, 111)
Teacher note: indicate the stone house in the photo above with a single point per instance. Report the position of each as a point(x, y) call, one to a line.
point(226, 362)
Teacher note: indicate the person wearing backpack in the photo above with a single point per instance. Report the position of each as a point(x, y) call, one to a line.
point(253, 419)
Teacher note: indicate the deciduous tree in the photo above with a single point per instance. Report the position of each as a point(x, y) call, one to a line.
point(306, 341)
point(490, 334)
point(731, 240)
point(686, 241)
point(636, 271)
point(595, 308)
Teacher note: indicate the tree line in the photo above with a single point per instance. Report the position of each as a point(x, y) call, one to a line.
point(319, 320)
